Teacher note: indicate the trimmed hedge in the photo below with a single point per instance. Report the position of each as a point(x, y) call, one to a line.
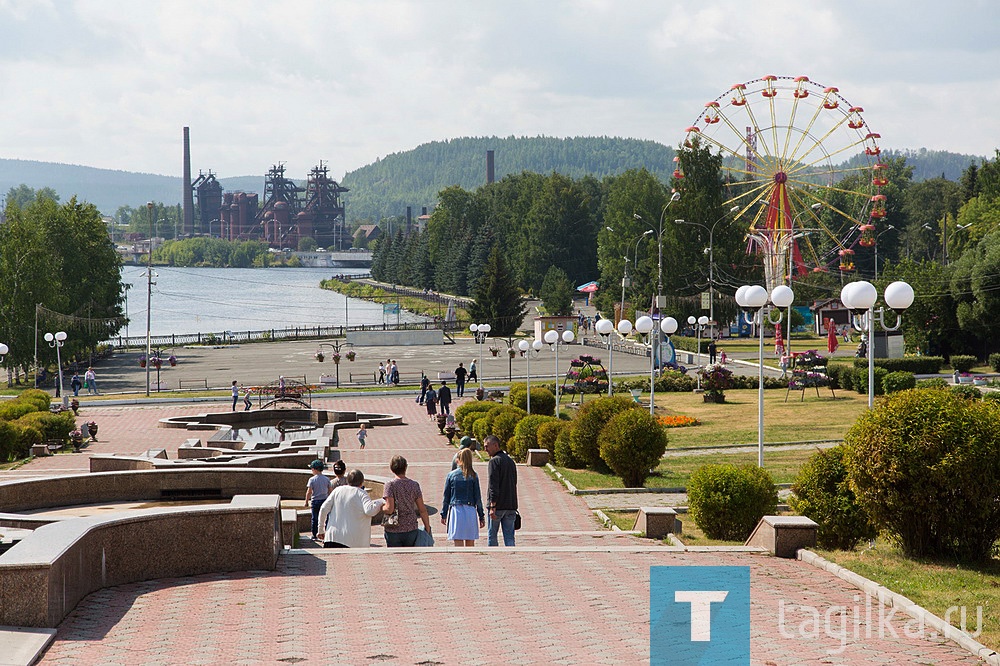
point(898, 381)
point(526, 434)
point(933, 383)
point(468, 412)
point(564, 449)
point(727, 501)
point(994, 362)
point(965, 391)
point(926, 467)
point(589, 422)
point(962, 363)
point(543, 401)
point(823, 494)
point(918, 365)
point(549, 431)
point(632, 444)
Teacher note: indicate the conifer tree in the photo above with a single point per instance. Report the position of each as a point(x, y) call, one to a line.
point(498, 301)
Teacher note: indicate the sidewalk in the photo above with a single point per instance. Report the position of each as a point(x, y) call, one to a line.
point(569, 593)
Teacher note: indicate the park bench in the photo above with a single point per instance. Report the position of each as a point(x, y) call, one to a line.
point(183, 384)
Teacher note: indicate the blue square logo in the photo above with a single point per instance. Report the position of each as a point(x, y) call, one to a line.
point(699, 615)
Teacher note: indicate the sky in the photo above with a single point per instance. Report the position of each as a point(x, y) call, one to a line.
point(111, 84)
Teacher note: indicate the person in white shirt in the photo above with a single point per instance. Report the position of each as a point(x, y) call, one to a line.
point(346, 514)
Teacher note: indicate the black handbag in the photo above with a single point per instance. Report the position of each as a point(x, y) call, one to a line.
point(517, 520)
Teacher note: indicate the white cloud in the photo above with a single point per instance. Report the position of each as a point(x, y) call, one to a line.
point(111, 83)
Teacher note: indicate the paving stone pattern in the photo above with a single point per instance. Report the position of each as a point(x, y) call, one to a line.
point(568, 594)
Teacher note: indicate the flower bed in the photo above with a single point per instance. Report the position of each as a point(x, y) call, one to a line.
point(678, 421)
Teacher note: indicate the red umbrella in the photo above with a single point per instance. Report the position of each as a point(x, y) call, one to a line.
point(831, 336)
point(779, 341)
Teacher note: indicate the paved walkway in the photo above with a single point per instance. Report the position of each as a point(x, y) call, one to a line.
point(569, 593)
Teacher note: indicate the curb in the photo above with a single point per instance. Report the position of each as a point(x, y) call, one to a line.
point(895, 600)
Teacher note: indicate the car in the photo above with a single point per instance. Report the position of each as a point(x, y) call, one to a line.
point(287, 249)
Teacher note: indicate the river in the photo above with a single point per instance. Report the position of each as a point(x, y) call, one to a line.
point(213, 300)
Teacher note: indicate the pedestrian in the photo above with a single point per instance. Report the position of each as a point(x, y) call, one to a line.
point(247, 402)
point(236, 394)
point(501, 496)
point(90, 381)
point(785, 360)
point(381, 372)
point(722, 357)
point(394, 374)
point(339, 469)
point(444, 398)
point(460, 375)
point(404, 499)
point(317, 490)
point(425, 383)
point(845, 332)
point(463, 500)
point(362, 434)
point(472, 371)
point(431, 400)
point(281, 386)
point(711, 352)
point(75, 384)
point(465, 443)
point(346, 515)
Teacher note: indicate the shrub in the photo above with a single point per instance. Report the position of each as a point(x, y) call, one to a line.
point(564, 449)
point(37, 397)
point(992, 396)
point(994, 362)
point(933, 383)
point(632, 444)
point(543, 401)
point(505, 421)
point(823, 494)
point(481, 427)
point(926, 467)
point(549, 431)
point(49, 425)
point(840, 376)
point(727, 501)
point(16, 440)
point(860, 380)
point(966, 391)
point(526, 434)
point(918, 365)
point(589, 422)
point(898, 381)
point(15, 409)
point(467, 413)
point(961, 363)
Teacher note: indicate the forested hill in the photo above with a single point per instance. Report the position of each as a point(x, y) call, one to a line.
point(414, 178)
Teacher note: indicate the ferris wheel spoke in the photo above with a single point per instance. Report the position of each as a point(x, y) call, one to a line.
point(759, 161)
point(789, 128)
point(807, 131)
point(733, 153)
point(820, 142)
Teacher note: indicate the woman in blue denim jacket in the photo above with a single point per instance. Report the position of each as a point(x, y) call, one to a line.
point(463, 500)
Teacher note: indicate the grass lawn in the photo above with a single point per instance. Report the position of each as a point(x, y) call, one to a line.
point(692, 536)
point(937, 586)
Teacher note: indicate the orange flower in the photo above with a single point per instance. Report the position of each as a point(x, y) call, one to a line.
point(677, 421)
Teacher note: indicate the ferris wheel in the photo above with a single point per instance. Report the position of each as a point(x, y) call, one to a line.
point(801, 166)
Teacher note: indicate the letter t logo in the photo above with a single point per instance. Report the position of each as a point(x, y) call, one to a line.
point(701, 610)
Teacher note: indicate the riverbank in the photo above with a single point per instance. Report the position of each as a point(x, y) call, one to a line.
point(425, 303)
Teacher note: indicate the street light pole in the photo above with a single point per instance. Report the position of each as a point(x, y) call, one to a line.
point(876, 248)
point(604, 328)
point(658, 297)
point(526, 349)
point(57, 340)
point(711, 258)
point(481, 332)
point(553, 339)
point(149, 293)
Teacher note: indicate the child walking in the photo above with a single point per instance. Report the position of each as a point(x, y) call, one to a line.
point(362, 434)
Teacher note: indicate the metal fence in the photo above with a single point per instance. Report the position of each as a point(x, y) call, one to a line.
point(274, 334)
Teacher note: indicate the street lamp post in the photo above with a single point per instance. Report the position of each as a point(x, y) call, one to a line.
point(635, 257)
point(604, 328)
point(756, 310)
point(57, 340)
point(699, 325)
point(888, 228)
point(526, 349)
point(3, 352)
point(481, 332)
point(555, 340)
point(711, 258)
point(658, 298)
point(149, 293)
point(859, 297)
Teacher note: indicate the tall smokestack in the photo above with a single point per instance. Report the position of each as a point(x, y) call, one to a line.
point(409, 218)
point(489, 167)
point(188, 192)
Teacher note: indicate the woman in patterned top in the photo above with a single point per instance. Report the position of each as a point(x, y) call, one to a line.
point(403, 496)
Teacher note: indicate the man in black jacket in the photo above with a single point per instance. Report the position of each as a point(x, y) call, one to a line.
point(444, 398)
point(501, 497)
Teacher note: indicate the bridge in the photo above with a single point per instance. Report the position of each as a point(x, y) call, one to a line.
point(346, 259)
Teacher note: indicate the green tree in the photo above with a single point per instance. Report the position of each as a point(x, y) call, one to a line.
point(22, 195)
point(556, 292)
point(307, 244)
point(497, 299)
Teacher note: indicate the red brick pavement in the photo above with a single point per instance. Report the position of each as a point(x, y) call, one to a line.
point(564, 596)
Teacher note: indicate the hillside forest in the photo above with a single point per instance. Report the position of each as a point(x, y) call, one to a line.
point(590, 228)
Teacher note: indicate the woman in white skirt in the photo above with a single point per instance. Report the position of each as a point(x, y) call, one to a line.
point(462, 502)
